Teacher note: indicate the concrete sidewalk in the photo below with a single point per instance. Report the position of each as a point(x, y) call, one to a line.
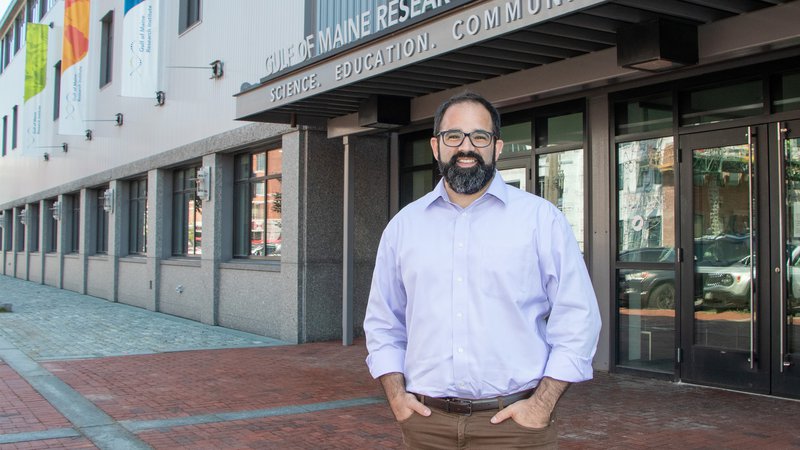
point(79, 372)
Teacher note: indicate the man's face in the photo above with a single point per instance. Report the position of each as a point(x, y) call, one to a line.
point(466, 168)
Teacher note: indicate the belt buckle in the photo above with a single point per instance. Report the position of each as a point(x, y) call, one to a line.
point(460, 402)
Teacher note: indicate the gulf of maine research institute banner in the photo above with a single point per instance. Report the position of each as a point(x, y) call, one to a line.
point(140, 48)
point(74, 67)
point(35, 79)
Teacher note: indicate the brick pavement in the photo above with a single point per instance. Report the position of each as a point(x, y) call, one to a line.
point(304, 396)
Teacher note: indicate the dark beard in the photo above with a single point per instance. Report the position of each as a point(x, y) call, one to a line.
point(467, 181)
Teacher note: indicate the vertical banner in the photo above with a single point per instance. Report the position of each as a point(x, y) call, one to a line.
point(140, 46)
point(74, 67)
point(35, 80)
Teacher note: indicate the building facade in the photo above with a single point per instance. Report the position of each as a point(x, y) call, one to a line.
point(254, 196)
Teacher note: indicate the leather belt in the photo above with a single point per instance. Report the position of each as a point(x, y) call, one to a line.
point(466, 406)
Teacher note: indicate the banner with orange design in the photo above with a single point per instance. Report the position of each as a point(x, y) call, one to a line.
point(74, 68)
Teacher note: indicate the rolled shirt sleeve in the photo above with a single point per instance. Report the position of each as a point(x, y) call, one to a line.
point(573, 326)
point(384, 323)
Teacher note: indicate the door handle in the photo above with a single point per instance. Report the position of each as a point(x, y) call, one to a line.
point(753, 229)
point(781, 269)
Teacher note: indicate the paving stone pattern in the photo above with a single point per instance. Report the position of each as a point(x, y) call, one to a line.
point(50, 323)
point(167, 383)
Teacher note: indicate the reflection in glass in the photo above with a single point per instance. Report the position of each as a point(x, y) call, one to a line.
point(646, 200)
point(786, 92)
point(561, 130)
point(644, 115)
point(721, 199)
point(720, 103)
point(646, 319)
point(516, 139)
point(560, 179)
point(792, 287)
point(515, 177)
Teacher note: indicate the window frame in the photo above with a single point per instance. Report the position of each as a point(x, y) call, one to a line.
point(190, 13)
point(107, 49)
point(14, 124)
point(243, 185)
point(101, 223)
point(51, 227)
point(57, 90)
point(187, 193)
point(137, 217)
point(74, 224)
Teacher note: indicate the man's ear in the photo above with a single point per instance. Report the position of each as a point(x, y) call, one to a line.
point(435, 147)
point(498, 149)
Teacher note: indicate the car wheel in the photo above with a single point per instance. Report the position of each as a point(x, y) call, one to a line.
point(663, 297)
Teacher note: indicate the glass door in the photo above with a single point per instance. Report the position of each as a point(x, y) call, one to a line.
point(725, 303)
point(786, 265)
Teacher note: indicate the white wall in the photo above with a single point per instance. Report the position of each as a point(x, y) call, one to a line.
point(241, 34)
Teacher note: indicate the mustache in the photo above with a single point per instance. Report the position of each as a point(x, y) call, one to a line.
point(470, 154)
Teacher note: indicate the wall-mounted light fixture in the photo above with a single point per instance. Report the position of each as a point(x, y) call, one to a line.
point(203, 183)
point(46, 156)
point(216, 68)
point(64, 147)
point(161, 98)
point(108, 200)
point(118, 121)
point(23, 216)
point(55, 209)
point(657, 45)
point(87, 135)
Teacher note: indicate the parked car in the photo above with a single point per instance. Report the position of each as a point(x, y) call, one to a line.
point(654, 288)
point(728, 288)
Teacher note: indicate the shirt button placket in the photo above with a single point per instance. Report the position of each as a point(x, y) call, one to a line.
point(460, 298)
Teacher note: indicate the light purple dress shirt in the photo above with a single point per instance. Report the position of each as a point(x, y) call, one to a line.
point(481, 301)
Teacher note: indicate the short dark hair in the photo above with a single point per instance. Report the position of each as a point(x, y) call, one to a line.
point(465, 97)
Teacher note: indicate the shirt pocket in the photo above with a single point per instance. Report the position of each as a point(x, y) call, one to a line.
point(506, 270)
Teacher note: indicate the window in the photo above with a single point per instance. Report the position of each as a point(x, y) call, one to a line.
point(33, 10)
point(187, 213)
point(418, 170)
point(5, 135)
point(50, 227)
point(56, 90)
point(107, 49)
point(188, 15)
point(101, 222)
point(33, 226)
point(74, 223)
point(6, 50)
point(722, 102)
point(137, 235)
point(21, 220)
point(19, 32)
point(14, 127)
point(560, 166)
point(8, 232)
point(257, 204)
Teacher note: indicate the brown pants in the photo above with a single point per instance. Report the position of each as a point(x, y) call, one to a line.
point(442, 430)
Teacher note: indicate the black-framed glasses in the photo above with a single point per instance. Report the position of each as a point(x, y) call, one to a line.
point(454, 138)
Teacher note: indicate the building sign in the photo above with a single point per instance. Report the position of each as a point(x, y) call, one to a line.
point(462, 28)
point(391, 16)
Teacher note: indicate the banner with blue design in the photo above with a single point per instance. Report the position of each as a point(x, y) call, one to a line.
point(140, 33)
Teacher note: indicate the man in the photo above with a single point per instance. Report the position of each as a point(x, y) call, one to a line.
point(481, 312)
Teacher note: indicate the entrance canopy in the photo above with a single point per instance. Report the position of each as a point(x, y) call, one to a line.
point(457, 45)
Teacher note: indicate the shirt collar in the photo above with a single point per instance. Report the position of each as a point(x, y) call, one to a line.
point(497, 189)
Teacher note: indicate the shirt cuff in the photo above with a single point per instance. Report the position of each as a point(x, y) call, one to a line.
point(568, 367)
point(386, 361)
